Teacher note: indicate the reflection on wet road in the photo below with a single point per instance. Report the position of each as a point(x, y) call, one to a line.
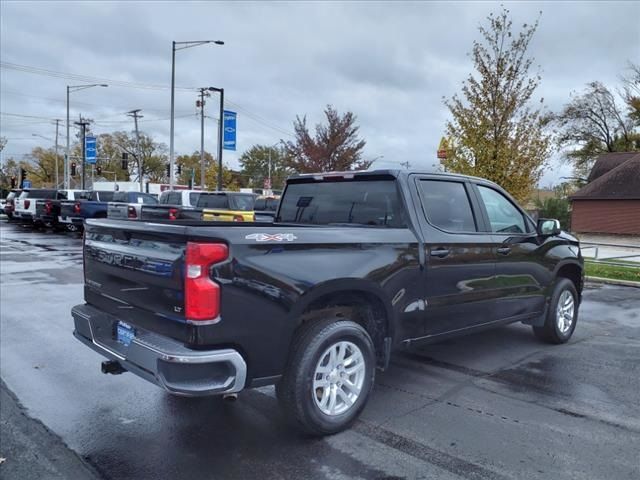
point(492, 405)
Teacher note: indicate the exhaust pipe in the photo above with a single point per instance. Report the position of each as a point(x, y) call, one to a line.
point(113, 367)
point(230, 397)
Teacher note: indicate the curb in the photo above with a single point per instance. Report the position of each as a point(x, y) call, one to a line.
point(612, 281)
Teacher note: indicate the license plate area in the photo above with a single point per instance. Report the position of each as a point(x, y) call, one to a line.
point(125, 333)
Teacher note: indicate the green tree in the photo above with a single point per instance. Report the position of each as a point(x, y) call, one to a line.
point(495, 131)
point(555, 207)
point(592, 123)
point(255, 166)
point(9, 168)
point(153, 156)
point(335, 146)
point(191, 163)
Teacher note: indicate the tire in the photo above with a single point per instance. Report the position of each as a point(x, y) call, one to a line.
point(556, 328)
point(309, 407)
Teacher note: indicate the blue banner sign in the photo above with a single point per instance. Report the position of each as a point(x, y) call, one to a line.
point(229, 130)
point(91, 150)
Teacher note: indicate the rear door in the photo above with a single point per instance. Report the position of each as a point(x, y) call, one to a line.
point(521, 275)
point(459, 256)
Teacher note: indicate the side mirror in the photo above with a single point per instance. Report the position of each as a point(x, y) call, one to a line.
point(548, 226)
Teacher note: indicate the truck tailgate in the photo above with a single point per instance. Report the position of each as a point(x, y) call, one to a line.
point(134, 271)
point(118, 211)
point(67, 208)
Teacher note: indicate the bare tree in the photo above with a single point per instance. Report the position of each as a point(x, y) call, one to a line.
point(592, 123)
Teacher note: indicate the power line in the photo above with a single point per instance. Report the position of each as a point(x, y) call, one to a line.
point(84, 78)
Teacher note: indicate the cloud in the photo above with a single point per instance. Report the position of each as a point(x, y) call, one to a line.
point(391, 63)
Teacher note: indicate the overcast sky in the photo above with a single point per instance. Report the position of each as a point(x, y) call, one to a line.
point(388, 62)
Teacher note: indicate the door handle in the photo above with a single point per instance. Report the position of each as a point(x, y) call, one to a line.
point(439, 252)
point(504, 250)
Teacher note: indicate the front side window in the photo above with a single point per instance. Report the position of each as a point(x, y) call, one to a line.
point(504, 217)
point(447, 205)
point(373, 203)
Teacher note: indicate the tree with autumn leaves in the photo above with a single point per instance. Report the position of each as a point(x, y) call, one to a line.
point(335, 146)
point(496, 130)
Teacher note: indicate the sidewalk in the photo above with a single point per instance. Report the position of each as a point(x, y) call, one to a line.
point(30, 451)
point(630, 251)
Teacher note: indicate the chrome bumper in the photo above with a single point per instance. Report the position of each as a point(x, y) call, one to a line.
point(162, 360)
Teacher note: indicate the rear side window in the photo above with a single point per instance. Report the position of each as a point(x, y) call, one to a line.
point(193, 198)
point(213, 200)
point(141, 198)
point(40, 194)
point(105, 196)
point(173, 198)
point(119, 197)
point(261, 204)
point(504, 217)
point(447, 205)
point(373, 203)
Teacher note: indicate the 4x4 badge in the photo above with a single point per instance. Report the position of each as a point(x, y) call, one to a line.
point(271, 237)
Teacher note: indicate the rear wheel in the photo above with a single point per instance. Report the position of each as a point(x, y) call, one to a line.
point(562, 314)
point(329, 376)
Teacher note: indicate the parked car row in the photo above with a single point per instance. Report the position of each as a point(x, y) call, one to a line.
point(68, 209)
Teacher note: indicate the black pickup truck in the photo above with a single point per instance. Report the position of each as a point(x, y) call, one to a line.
point(355, 265)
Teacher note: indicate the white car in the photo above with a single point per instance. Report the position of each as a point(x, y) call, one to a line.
point(25, 204)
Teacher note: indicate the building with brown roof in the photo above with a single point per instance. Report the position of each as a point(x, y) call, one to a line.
point(610, 202)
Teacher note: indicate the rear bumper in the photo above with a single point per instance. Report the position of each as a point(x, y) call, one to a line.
point(73, 220)
point(162, 360)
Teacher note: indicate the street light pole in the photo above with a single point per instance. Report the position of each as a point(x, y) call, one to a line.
point(174, 47)
point(173, 88)
point(73, 88)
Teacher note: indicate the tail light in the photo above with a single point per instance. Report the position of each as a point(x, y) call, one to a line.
point(201, 294)
point(27, 203)
point(238, 218)
point(76, 208)
point(173, 214)
point(48, 207)
point(131, 212)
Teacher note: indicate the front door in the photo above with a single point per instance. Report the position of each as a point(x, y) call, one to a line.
point(521, 275)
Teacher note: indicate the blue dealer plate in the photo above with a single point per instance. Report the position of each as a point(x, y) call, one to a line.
point(125, 333)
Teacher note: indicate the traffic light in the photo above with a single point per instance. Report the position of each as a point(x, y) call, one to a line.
point(23, 174)
point(13, 182)
point(98, 170)
point(73, 169)
point(168, 169)
point(125, 161)
point(179, 169)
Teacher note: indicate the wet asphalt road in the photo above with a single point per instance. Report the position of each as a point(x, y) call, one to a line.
point(493, 405)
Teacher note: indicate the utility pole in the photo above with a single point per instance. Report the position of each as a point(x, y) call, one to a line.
point(220, 138)
point(83, 125)
point(136, 115)
point(57, 170)
point(405, 165)
point(204, 92)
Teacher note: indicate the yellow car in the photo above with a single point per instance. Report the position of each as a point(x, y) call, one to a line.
point(227, 206)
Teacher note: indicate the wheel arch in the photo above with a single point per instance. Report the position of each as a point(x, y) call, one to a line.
point(361, 301)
